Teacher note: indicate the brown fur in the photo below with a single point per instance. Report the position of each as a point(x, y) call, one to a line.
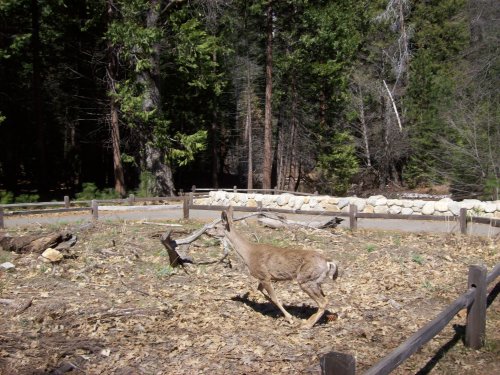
point(269, 263)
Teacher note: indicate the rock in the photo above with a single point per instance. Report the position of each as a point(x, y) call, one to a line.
point(490, 207)
point(373, 199)
point(381, 201)
point(368, 209)
point(360, 204)
point(220, 195)
point(343, 202)
point(442, 205)
point(51, 255)
point(418, 204)
point(331, 207)
point(7, 266)
point(407, 203)
point(406, 211)
point(299, 201)
point(428, 208)
point(283, 199)
point(381, 209)
point(252, 203)
point(395, 210)
point(454, 207)
point(469, 203)
point(335, 201)
point(313, 202)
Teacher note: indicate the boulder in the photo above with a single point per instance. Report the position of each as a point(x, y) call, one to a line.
point(428, 208)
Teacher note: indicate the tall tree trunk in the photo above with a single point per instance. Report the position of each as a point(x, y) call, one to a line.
point(364, 128)
point(294, 166)
point(215, 130)
point(268, 120)
point(154, 156)
point(249, 136)
point(38, 120)
point(117, 158)
point(113, 109)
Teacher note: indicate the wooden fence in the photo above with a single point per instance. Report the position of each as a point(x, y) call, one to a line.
point(474, 299)
point(187, 198)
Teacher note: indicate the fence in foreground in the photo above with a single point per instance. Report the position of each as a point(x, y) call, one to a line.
point(474, 299)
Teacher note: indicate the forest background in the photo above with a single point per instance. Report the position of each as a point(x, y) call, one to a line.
point(150, 96)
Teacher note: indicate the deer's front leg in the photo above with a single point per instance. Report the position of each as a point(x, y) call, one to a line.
point(273, 298)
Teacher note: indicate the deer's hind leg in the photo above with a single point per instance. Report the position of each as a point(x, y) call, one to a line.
point(313, 289)
point(271, 296)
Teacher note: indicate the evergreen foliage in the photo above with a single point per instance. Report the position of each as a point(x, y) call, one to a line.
point(404, 91)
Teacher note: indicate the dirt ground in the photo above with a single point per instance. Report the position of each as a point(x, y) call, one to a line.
point(114, 306)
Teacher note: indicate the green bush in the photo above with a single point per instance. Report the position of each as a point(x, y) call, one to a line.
point(27, 198)
point(145, 188)
point(90, 191)
point(6, 197)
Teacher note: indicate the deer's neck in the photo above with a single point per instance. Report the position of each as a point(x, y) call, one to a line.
point(239, 244)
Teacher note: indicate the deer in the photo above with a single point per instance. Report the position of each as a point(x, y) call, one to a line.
point(268, 263)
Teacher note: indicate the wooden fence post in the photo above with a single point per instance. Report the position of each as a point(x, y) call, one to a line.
point(463, 220)
point(193, 189)
point(1, 218)
point(185, 206)
point(334, 363)
point(95, 210)
point(275, 192)
point(353, 220)
point(66, 202)
point(131, 199)
point(476, 313)
point(235, 189)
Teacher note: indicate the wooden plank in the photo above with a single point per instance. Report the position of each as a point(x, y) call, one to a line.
point(131, 199)
point(366, 215)
point(275, 210)
point(95, 210)
point(185, 207)
point(495, 272)
point(155, 199)
point(46, 211)
point(1, 218)
point(335, 363)
point(422, 336)
point(485, 220)
point(462, 219)
point(36, 204)
point(476, 313)
point(353, 220)
point(67, 203)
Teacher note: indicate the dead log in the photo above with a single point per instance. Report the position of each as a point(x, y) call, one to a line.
point(37, 243)
point(176, 255)
point(280, 222)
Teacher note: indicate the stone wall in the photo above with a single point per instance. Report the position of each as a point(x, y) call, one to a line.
point(374, 204)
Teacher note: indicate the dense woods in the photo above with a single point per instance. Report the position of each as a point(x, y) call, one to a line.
point(153, 96)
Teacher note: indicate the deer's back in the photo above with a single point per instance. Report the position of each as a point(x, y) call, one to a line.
point(274, 263)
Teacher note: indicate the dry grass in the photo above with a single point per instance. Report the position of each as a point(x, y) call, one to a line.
point(114, 306)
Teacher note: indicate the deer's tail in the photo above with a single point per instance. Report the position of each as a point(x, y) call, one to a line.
point(333, 270)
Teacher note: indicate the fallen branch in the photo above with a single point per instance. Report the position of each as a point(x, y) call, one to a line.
point(280, 222)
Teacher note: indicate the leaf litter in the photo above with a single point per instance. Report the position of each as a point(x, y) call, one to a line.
point(116, 306)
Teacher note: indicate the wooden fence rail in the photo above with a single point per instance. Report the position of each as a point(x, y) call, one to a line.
point(474, 299)
point(353, 215)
